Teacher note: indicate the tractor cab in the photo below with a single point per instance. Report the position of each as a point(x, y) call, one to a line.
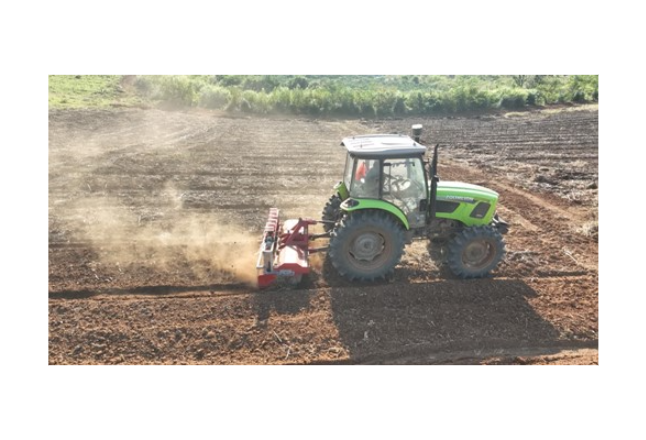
point(387, 168)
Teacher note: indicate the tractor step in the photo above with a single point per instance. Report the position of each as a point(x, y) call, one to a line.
point(284, 250)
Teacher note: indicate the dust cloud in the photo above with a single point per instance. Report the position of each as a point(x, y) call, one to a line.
point(168, 239)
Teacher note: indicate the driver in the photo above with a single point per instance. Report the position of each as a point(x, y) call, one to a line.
point(361, 171)
point(371, 181)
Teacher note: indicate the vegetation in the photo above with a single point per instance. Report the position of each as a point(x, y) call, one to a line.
point(343, 95)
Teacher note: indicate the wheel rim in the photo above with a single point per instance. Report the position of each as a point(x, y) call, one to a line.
point(367, 246)
point(478, 254)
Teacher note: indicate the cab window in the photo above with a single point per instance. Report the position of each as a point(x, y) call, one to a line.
point(403, 183)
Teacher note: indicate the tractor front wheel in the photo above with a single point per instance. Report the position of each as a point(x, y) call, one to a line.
point(332, 212)
point(367, 245)
point(475, 251)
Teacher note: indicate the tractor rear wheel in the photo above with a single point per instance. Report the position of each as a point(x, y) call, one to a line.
point(332, 212)
point(475, 251)
point(367, 245)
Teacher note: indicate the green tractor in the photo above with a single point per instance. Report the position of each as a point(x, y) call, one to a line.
point(390, 196)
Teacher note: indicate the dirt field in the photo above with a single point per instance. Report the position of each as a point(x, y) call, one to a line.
point(155, 217)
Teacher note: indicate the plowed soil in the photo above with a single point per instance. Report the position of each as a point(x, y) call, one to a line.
point(155, 219)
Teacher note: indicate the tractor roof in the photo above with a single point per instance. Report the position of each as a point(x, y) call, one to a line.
point(383, 145)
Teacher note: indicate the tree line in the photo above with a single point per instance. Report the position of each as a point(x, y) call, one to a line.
point(367, 96)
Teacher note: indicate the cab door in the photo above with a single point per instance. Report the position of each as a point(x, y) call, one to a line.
point(404, 185)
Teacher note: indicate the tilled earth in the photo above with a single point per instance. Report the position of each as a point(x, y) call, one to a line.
point(155, 218)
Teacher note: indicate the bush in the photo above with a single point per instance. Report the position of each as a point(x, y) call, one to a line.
point(214, 97)
point(578, 96)
point(513, 98)
point(532, 97)
point(178, 90)
point(383, 102)
point(228, 80)
point(281, 99)
point(265, 83)
point(255, 102)
point(400, 105)
point(298, 82)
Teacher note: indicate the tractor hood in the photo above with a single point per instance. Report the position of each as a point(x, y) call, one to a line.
point(465, 192)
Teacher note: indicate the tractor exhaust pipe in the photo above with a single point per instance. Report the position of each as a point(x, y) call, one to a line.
point(434, 179)
point(432, 208)
point(417, 132)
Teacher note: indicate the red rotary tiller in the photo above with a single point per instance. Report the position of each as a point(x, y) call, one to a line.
point(284, 250)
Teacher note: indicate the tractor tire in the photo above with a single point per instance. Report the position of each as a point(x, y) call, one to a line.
point(475, 251)
point(332, 212)
point(367, 245)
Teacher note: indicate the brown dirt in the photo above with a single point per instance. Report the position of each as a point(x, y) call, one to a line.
point(566, 357)
point(154, 219)
point(545, 154)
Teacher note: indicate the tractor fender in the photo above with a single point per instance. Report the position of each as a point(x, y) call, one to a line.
point(352, 205)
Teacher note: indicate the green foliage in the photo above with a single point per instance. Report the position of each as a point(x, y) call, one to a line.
point(214, 97)
point(583, 88)
point(298, 82)
point(349, 95)
point(178, 90)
